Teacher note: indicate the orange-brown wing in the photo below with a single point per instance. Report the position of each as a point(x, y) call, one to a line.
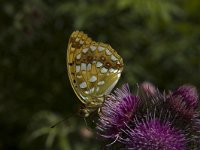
point(94, 68)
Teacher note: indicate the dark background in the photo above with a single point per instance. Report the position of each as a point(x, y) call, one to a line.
point(158, 40)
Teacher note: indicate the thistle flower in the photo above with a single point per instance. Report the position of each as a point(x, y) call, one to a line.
point(151, 120)
point(117, 110)
point(155, 135)
point(184, 101)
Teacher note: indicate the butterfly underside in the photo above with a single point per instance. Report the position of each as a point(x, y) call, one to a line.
point(94, 68)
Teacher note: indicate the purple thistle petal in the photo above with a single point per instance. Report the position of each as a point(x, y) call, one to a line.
point(116, 111)
point(148, 88)
point(184, 100)
point(154, 135)
point(188, 94)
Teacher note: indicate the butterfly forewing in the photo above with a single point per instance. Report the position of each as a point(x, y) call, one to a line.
point(76, 42)
point(93, 68)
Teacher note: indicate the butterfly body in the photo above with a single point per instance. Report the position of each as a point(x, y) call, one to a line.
point(94, 68)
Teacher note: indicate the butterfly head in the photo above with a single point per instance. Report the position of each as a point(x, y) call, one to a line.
point(84, 111)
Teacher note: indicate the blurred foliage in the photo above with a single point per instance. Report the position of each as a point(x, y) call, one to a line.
point(63, 136)
point(158, 39)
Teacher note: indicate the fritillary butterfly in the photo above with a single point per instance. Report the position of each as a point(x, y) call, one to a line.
point(94, 69)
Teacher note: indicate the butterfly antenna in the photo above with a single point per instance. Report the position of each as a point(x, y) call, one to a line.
point(85, 122)
point(59, 122)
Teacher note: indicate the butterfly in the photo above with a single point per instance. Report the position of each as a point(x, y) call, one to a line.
point(94, 69)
